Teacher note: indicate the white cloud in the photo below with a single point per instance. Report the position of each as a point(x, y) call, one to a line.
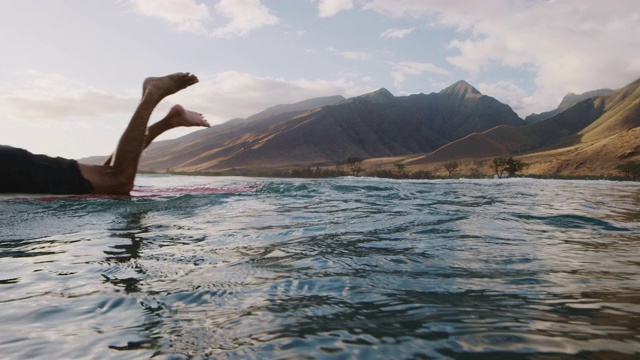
point(402, 8)
point(327, 8)
point(190, 16)
point(506, 92)
point(43, 96)
point(571, 45)
point(356, 55)
point(245, 15)
point(402, 69)
point(66, 108)
point(187, 15)
point(351, 55)
point(475, 57)
point(396, 33)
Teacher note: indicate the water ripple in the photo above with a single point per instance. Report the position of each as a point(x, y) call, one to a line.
point(326, 269)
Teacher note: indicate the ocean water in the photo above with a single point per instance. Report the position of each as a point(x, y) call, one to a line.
point(347, 268)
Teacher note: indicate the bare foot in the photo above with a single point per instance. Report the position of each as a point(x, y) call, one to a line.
point(179, 116)
point(164, 86)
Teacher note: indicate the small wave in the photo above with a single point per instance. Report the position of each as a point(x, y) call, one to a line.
point(283, 188)
point(572, 221)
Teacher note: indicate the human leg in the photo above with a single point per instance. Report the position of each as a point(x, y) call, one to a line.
point(178, 116)
point(118, 177)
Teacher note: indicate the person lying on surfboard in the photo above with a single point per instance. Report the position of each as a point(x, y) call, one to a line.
point(24, 172)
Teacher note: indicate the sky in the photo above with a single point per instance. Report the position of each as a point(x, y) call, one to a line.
point(71, 70)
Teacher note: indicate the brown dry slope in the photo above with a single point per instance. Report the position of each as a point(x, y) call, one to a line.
point(622, 109)
point(611, 140)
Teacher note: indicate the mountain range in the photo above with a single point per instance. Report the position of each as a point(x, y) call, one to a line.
point(373, 125)
point(588, 134)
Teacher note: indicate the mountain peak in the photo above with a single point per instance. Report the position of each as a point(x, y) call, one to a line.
point(461, 88)
point(381, 96)
point(571, 99)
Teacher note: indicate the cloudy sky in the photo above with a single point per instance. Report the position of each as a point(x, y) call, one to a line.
point(71, 70)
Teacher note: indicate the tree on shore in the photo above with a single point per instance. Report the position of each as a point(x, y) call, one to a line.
point(630, 169)
point(507, 167)
point(451, 167)
point(354, 164)
point(308, 172)
point(515, 166)
point(401, 170)
point(498, 165)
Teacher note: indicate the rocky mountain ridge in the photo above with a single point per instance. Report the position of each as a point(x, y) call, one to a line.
point(568, 101)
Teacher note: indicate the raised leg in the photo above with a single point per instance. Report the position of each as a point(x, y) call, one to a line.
point(118, 177)
point(178, 116)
